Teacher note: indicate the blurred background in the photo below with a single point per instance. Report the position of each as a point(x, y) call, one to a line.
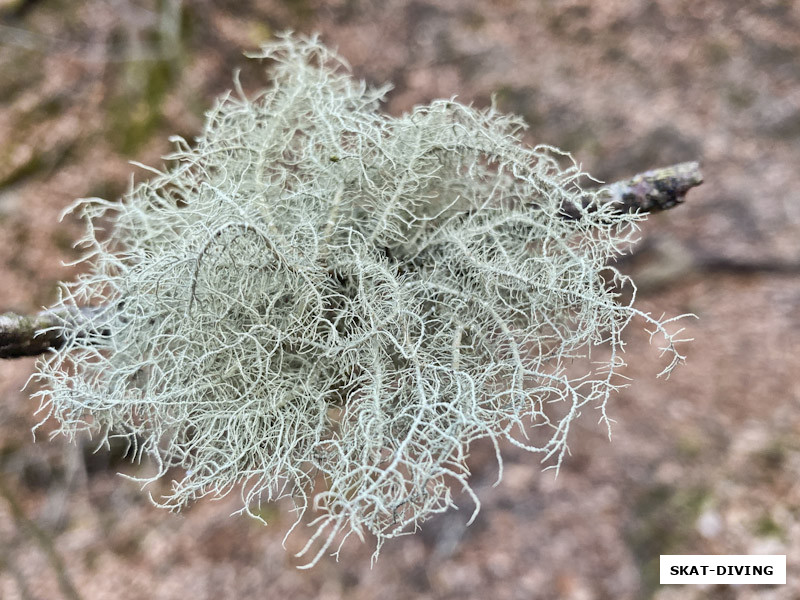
point(706, 462)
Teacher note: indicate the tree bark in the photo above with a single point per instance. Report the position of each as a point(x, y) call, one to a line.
point(31, 335)
point(651, 191)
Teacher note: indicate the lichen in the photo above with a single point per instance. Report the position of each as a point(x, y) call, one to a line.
point(322, 301)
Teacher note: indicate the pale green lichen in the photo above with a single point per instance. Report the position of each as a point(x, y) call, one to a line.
point(322, 301)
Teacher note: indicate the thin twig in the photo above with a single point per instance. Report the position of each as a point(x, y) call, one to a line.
point(31, 335)
point(652, 191)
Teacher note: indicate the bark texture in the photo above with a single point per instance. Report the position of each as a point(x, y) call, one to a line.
point(651, 191)
point(31, 335)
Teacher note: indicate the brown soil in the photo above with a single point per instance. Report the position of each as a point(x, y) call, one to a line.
point(705, 462)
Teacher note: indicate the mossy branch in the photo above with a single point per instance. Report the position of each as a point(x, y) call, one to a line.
point(651, 191)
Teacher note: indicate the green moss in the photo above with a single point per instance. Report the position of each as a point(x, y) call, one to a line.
point(717, 52)
point(19, 73)
point(134, 113)
point(268, 512)
point(135, 108)
point(301, 9)
point(259, 33)
point(33, 165)
point(663, 523)
point(689, 445)
point(52, 106)
point(766, 526)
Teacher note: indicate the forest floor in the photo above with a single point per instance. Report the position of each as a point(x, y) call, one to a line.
point(706, 462)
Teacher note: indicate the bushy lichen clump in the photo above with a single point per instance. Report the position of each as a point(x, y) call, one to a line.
point(316, 291)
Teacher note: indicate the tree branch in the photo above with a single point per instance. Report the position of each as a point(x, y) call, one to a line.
point(652, 191)
point(26, 335)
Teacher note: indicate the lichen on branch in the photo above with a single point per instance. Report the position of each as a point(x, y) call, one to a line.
point(322, 301)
